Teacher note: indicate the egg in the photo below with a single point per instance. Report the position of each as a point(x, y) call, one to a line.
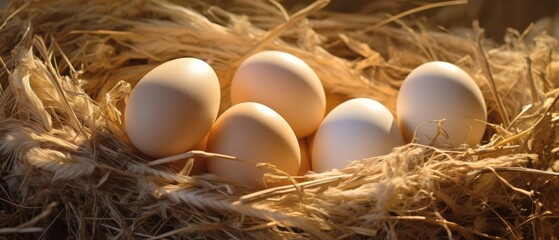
point(332, 101)
point(252, 132)
point(305, 158)
point(356, 129)
point(172, 107)
point(441, 90)
point(199, 164)
point(284, 83)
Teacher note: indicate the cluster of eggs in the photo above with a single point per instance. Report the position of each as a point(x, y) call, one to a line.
point(278, 116)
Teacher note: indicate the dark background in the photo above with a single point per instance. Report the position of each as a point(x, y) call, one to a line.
point(494, 15)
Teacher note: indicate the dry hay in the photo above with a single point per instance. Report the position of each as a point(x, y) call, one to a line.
point(69, 171)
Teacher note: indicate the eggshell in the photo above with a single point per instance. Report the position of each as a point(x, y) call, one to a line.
point(199, 167)
point(284, 83)
point(332, 101)
point(356, 129)
point(253, 132)
point(172, 107)
point(441, 90)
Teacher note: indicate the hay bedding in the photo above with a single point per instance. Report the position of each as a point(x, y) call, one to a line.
point(68, 170)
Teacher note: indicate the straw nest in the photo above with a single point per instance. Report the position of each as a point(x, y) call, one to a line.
point(69, 171)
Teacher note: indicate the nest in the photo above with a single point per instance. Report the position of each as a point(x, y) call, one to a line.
point(69, 171)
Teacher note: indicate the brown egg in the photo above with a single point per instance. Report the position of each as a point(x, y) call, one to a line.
point(253, 132)
point(284, 83)
point(172, 107)
point(199, 166)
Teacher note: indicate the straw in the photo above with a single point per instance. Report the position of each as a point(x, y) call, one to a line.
point(69, 170)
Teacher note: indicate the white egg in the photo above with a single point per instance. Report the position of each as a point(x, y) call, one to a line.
point(441, 90)
point(356, 129)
